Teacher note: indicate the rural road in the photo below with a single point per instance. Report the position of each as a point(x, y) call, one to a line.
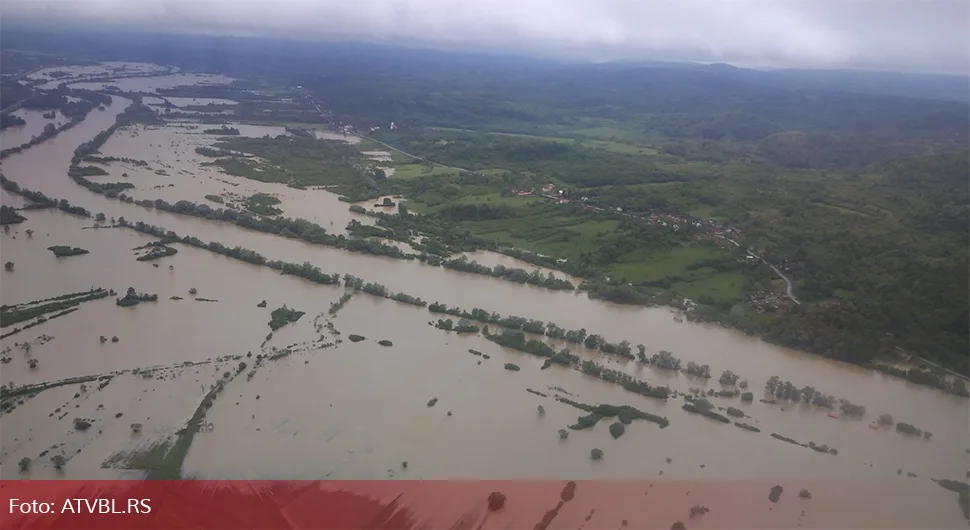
point(789, 286)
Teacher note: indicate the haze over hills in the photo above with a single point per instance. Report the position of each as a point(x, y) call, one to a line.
point(228, 53)
point(912, 35)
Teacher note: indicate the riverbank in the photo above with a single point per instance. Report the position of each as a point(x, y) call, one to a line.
point(316, 234)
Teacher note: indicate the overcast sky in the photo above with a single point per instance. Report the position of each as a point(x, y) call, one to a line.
point(908, 35)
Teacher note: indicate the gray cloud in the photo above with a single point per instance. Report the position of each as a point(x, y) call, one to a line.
point(918, 35)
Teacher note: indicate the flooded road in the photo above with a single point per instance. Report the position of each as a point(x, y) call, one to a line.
point(359, 410)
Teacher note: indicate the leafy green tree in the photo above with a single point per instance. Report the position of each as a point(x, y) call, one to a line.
point(593, 342)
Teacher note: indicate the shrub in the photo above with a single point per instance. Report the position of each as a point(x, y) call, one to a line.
point(512, 367)
point(617, 429)
point(496, 500)
point(775, 493)
point(885, 419)
point(282, 316)
point(804, 493)
point(703, 405)
point(24, 464)
point(851, 409)
point(568, 492)
point(728, 378)
point(747, 427)
point(63, 251)
point(356, 338)
point(698, 509)
point(596, 454)
point(908, 429)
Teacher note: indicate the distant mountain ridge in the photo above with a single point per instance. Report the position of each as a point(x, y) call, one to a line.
point(225, 53)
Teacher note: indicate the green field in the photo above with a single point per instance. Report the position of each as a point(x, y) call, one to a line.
point(575, 139)
point(300, 161)
point(292, 124)
point(851, 214)
point(491, 199)
point(410, 171)
point(675, 266)
point(560, 237)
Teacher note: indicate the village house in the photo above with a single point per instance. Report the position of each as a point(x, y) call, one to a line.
point(548, 187)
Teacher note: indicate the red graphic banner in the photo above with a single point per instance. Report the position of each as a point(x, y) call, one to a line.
point(472, 505)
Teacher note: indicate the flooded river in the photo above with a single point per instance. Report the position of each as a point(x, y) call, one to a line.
point(17, 135)
point(358, 410)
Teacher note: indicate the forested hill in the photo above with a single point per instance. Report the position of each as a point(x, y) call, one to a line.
point(374, 85)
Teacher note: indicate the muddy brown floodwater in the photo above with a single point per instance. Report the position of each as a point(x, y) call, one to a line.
point(358, 410)
point(17, 135)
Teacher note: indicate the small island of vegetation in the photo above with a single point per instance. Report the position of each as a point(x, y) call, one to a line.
point(63, 251)
point(224, 130)
point(158, 250)
point(625, 413)
point(11, 120)
point(133, 298)
point(13, 314)
point(282, 316)
point(10, 215)
point(262, 204)
point(335, 307)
